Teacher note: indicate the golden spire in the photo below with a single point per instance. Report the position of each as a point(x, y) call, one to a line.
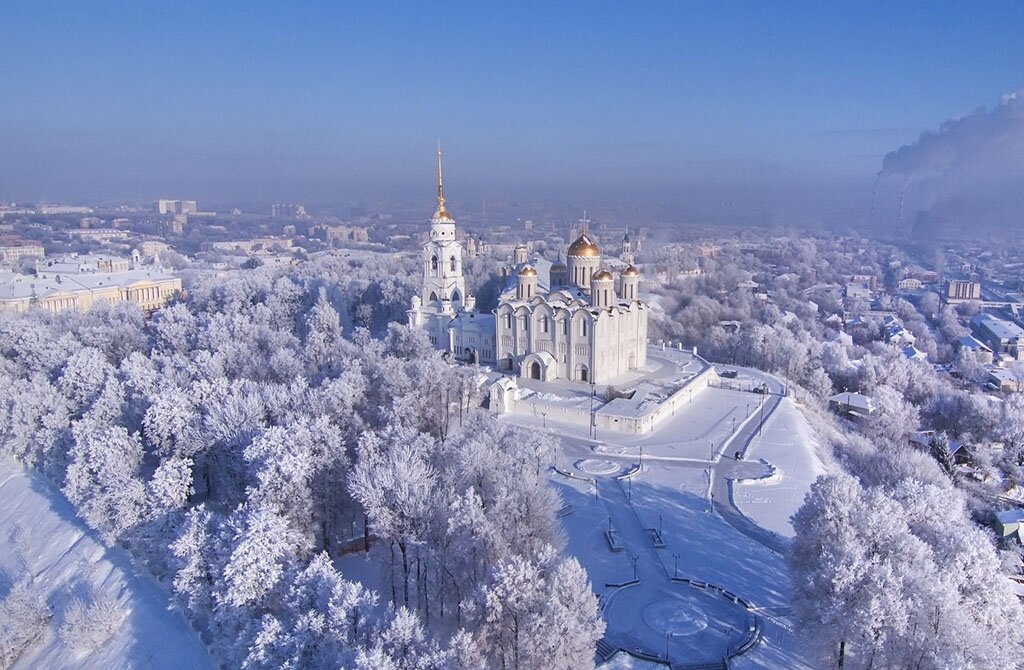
point(441, 213)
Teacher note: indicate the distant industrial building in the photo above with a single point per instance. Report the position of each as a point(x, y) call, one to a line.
point(176, 207)
point(98, 234)
point(63, 209)
point(962, 290)
point(288, 211)
point(1004, 338)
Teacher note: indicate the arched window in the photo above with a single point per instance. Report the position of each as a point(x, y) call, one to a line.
point(456, 296)
point(583, 327)
point(433, 296)
point(452, 262)
point(433, 263)
point(543, 324)
point(526, 323)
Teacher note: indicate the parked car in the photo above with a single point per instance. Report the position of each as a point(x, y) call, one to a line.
point(728, 374)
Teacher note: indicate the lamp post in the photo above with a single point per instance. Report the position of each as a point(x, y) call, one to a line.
point(675, 565)
point(760, 423)
point(635, 559)
point(593, 417)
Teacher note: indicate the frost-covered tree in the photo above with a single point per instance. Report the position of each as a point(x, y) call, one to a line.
point(540, 613)
point(103, 480)
point(262, 545)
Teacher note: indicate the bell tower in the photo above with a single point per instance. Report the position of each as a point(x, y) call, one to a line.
point(444, 287)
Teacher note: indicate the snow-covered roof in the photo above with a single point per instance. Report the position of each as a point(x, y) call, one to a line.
point(24, 286)
point(972, 343)
point(853, 401)
point(914, 354)
point(1001, 328)
point(1010, 516)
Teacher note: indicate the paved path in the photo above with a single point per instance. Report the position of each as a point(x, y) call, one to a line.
point(722, 484)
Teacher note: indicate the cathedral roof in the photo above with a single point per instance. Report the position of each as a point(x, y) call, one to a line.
point(602, 275)
point(527, 271)
point(584, 246)
point(630, 271)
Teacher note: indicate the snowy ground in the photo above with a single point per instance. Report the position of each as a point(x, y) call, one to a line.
point(787, 442)
point(66, 562)
point(684, 460)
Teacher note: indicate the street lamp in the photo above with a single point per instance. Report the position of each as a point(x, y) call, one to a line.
point(675, 565)
point(760, 423)
point(635, 559)
point(593, 416)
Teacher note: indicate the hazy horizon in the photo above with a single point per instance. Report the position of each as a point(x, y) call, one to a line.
point(783, 109)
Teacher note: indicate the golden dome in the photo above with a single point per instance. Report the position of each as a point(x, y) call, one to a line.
point(443, 215)
point(583, 246)
point(527, 271)
point(602, 275)
point(630, 271)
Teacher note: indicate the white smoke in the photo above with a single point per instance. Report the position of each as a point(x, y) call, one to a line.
point(971, 171)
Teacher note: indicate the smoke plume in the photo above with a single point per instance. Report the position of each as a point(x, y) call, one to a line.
point(969, 173)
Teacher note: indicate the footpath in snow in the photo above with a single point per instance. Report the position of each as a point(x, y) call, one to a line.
point(790, 445)
point(42, 539)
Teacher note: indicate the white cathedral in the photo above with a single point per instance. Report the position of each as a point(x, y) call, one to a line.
point(578, 323)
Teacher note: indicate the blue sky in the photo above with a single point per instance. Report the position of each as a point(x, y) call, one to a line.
point(321, 101)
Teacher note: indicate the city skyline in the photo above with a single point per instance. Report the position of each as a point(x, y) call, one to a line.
point(615, 104)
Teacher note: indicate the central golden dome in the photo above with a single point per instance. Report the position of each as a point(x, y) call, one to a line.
point(583, 246)
point(527, 271)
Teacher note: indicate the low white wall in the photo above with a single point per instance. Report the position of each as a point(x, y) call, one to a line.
point(644, 422)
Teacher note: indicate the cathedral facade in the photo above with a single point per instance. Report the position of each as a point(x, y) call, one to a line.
point(573, 320)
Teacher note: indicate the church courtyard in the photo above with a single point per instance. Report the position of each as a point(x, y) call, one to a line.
point(683, 541)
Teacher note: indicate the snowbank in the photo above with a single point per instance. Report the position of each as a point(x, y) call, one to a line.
point(790, 445)
point(41, 539)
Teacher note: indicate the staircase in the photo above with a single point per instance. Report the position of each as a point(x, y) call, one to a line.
point(605, 650)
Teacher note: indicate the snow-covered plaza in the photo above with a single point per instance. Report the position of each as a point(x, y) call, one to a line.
point(683, 541)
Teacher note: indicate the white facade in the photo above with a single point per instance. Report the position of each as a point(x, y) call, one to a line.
point(590, 333)
point(579, 322)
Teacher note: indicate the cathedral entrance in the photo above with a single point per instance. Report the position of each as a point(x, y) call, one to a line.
point(535, 370)
point(583, 373)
